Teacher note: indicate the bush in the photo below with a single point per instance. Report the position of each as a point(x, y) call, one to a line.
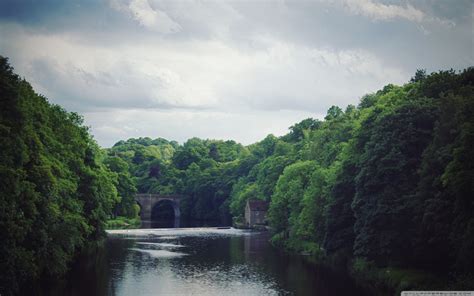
point(123, 223)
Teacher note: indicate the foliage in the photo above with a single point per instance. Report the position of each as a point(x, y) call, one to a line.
point(387, 184)
point(55, 193)
point(202, 170)
point(123, 223)
point(389, 181)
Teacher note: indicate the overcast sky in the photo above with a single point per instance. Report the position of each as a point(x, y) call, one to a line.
point(224, 69)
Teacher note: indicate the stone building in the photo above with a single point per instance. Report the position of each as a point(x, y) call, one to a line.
point(255, 212)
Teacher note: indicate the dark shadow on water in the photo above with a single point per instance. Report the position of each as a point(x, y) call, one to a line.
point(170, 223)
point(180, 223)
point(163, 215)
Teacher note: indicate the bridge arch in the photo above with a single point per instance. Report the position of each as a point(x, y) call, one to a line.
point(147, 203)
point(164, 204)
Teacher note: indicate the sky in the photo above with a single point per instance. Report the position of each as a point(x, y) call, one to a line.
point(224, 69)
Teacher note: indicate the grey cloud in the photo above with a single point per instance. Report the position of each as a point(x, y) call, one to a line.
point(147, 16)
point(180, 125)
point(83, 90)
point(218, 60)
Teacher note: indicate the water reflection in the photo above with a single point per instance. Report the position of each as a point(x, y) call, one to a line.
point(198, 261)
point(161, 223)
point(179, 222)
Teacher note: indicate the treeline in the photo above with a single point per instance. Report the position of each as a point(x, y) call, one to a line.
point(202, 170)
point(389, 182)
point(55, 193)
point(386, 183)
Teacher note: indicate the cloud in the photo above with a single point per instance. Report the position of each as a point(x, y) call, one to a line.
point(148, 17)
point(179, 69)
point(288, 76)
point(214, 75)
point(245, 127)
point(83, 76)
point(379, 11)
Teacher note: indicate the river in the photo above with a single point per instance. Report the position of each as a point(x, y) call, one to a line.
point(197, 261)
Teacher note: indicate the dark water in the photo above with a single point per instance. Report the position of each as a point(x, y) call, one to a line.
point(197, 261)
point(180, 223)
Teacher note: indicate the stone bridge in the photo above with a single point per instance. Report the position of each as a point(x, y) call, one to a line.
point(148, 201)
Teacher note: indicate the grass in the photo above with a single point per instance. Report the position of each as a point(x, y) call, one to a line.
point(123, 223)
point(297, 246)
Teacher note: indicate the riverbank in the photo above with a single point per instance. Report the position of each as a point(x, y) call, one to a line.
point(374, 279)
point(123, 223)
point(396, 279)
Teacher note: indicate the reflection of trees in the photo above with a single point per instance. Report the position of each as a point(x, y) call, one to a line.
point(89, 274)
point(215, 263)
point(236, 255)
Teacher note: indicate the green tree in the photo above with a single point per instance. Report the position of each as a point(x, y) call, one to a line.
point(55, 193)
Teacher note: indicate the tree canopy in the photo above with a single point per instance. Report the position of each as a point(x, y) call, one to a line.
point(56, 193)
point(389, 181)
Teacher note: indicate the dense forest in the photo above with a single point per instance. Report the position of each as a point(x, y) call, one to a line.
point(56, 194)
point(386, 185)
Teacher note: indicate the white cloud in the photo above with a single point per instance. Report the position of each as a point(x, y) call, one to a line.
point(225, 69)
point(288, 76)
point(150, 18)
point(245, 127)
point(211, 19)
point(198, 74)
point(379, 11)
